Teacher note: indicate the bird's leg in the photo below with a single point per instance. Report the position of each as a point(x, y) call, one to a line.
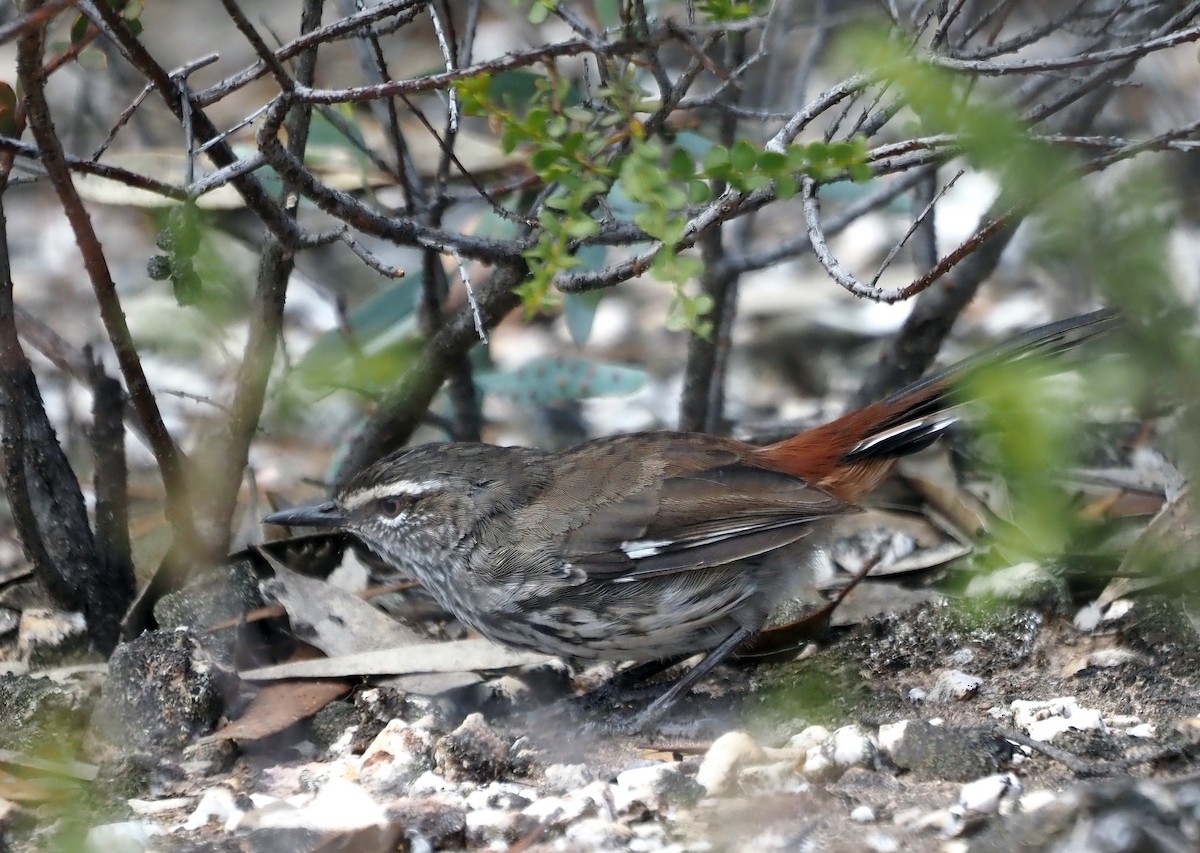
point(662, 704)
point(625, 680)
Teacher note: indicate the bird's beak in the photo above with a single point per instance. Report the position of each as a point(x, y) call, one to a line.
point(318, 515)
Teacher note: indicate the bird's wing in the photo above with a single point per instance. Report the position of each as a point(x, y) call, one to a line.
point(695, 519)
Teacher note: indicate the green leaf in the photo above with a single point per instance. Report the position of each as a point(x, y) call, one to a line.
point(743, 156)
point(543, 159)
point(79, 28)
point(680, 165)
point(773, 162)
point(582, 226)
point(698, 192)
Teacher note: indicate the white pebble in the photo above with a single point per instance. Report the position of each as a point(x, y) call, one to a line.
point(729, 752)
point(984, 796)
point(1045, 720)
point(954, 685)
point(847, 747)
point(863, 814)
point(810, 737)
point(879, 842)
point(215, 804)
point(776, 778)
point(126, 837)
point(852, 747)
point(1036, 799)
point(338, 806)
point(890, 735)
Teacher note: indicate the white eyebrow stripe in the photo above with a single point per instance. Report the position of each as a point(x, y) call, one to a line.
point(412, 488)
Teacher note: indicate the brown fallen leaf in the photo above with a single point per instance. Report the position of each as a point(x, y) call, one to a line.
point(335, 621)
point(20, 763)
point(454, 656)
point(276, 611)
point(1165, 551)
point(281, 705)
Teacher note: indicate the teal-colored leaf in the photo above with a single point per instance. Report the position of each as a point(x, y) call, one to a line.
point(374, 326)
point(693, 143)
point(551, 378)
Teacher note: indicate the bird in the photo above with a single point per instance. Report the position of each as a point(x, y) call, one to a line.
point(643, 546)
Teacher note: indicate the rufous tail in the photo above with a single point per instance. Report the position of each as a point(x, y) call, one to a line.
point(848, 457)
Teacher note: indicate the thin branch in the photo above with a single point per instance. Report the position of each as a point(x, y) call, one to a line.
point(170, 458)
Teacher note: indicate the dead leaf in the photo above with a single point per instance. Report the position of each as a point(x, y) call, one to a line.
point(335, 621)
point(276, 611)
point(280, 706)
point(932, 476)
point(1166, 551)
point(456, 656)
point(67, 769)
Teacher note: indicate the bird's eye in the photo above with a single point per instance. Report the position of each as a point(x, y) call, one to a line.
point(392, 506)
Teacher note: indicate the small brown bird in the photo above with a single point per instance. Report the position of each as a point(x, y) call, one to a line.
point(644, 546)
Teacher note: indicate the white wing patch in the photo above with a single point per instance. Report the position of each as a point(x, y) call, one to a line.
point(930, 426)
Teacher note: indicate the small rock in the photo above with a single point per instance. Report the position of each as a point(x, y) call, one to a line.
point(524, 757)
point(779, 777)
point(216, 804)
point(1122, 721)
point(442, 825)
point(487, 827)
point(963, 657)
point(810, 737)
point(890, 734)
point(595, 798)
point(396, 758)
point(1046, 720)
point(728, 753)
point(127, 837)
point(10, 620)
point(562, 778)
point(847, 747)
point(1036, 799)
point(472, 752)
point(505, 796)
point(430, 784)
point(225, 595)
point(945, 752)
point(879, 842)
point(863, 814)
point(559, 811)
point(917, 695)
point(338, 806)
point(948, 823)
point(985, 796)
point(209, 757)
point(597, 833)
point(955, 686)
point(655, 786)
point(163, 691)
point(46, 637)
